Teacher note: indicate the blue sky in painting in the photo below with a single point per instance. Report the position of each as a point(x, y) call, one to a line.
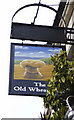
point(32, 52)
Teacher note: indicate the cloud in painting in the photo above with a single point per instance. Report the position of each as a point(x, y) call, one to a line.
point(36, 55)
point(31, 53)
point(41, 52)
point(19, 54)
point(21, 47)
point(25, 48)
point(57, 50)
point(50, 50)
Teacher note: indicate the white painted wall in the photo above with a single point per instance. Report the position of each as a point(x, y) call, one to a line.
point(16, 106)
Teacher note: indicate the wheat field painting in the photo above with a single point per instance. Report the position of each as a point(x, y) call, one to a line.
point(32, 63)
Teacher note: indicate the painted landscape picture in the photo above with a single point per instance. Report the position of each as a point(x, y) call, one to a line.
point(33, 63)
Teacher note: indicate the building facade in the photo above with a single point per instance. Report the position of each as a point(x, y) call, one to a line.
point(66, 9)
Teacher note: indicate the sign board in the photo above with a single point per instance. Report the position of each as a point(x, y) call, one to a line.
point(38, 33)
point(30, 68)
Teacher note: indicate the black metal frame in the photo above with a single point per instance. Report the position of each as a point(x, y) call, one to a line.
point(66, 30)
point(38, 4)
point(31, 32)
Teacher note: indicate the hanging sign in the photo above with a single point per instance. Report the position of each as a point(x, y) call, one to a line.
point(38, 33)
point(49, 34)
point(30, 68)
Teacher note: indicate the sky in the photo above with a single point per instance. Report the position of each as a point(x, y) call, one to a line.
point(32, 52)
point(18, 106)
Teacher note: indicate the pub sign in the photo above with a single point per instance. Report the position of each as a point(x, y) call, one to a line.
point(30, 68)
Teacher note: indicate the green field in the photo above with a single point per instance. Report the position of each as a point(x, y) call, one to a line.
point(46, 60)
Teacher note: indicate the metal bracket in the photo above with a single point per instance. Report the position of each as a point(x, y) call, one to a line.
point(33, 32)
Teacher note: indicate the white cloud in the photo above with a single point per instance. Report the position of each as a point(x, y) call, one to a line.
point(20, 54)
point(41, 52)
point(56, 50)
point(25, 48)
point(35, 55)
point(17, 52)
point(18, 47)
point(21, 47)
point(51, 50)
point(31, 53)
point(39, 56)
